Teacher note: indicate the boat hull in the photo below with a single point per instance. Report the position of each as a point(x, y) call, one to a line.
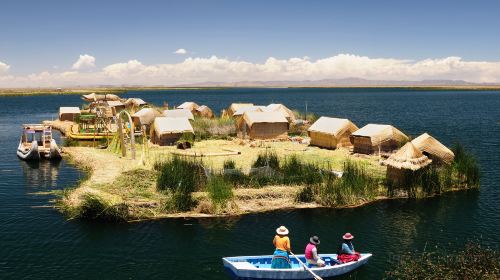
point(28, 154)
point(259, 267)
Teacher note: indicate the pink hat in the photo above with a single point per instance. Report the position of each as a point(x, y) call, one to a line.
point(348, 236)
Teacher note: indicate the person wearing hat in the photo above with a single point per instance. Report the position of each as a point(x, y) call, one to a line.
point(346, 252)
point(311, 253)
point(282, 244)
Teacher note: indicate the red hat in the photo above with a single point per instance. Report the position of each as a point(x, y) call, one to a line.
point(348, 236)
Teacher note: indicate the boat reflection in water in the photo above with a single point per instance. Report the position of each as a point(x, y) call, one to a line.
point(41, 174)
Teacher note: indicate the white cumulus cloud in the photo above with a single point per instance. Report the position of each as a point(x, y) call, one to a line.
point(4, 67)
point(84, 62)
point(181, 51)
point(216, 69)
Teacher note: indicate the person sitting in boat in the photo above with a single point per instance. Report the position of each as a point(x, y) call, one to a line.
point(346, 251)
point(282, 244)
point(311, 253)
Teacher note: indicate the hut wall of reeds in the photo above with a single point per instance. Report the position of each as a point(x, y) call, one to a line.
point(205, 112)
point(405, 163)
point(166, 131)
point(331, 133)
point(433, 149)
point(69, 113)
point(373, 138)
point(262, 125)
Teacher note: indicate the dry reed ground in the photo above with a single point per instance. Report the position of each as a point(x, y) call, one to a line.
point(106, 167)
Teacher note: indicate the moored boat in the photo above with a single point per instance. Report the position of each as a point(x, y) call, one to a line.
point(37, 143)
point(259, 267)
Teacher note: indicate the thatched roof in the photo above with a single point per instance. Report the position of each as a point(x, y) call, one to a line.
point(96, 97)
point(114, 103)
point(204, 111)
point(164, 125)
point(332, 126)
point(379, 133)
point(252, 108)
point(408, 157)
point(282, 109)
point(69, 110)
point(146, 115)
point(178, 113)
point(428, 144)
point(252, 118)
point(135, 101)
point(191, 106)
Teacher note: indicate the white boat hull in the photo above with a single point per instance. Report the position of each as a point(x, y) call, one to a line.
point(28, 154)
point(259, 267)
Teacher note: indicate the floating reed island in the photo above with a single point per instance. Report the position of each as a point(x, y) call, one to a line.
point(147, 162)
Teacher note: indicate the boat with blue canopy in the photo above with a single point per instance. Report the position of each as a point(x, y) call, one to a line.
point(259, 267)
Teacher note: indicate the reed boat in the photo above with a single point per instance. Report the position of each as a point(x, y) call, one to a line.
point(37, 143)
point(259, 267)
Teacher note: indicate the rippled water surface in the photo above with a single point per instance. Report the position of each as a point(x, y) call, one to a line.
point(38, 242)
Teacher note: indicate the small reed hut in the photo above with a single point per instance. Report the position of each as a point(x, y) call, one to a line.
point(116, 104)
point(69, 113)
point(144, 118)
point(254, 108)
point(262, 125)
point(289, 114)
point(402, 165)
point(166, 131)
point(100, 97)
point(229, 112)
point(134, 104)
point(205, 112)
point(375, 138)
point(191, 106)
point(178, 113)
point(331, 133)
point(433, 149)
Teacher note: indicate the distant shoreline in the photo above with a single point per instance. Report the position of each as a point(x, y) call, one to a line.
point(119, 90)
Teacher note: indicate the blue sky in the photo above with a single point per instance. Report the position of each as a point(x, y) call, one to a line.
point(49, 35)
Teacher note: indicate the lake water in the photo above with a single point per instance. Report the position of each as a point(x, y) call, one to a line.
point(38, 242)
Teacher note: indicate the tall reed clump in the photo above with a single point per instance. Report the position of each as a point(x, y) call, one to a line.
point(295, 171)
point(466, 167)
point(356, 184)
point(94, 207)
point(233, 175)
point(265, 170)
point(473, 262)
point(220, 192)
point(180, 176)
point(220, 128)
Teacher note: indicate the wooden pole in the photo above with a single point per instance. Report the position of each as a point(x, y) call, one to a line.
point(316, 277)
point(120, 134)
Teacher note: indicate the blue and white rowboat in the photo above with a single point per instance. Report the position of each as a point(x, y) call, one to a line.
point(259, 267)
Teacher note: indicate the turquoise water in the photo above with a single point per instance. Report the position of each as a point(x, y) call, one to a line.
point(37, 241)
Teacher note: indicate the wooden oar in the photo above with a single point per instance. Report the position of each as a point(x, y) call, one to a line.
point(316, 277)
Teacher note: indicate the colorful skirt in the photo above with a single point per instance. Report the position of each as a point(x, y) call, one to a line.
point(280, 260)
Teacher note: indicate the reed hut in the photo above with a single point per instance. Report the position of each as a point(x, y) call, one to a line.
point(433, 149)
point(145, 117)
point(262, 125)
point(242, 110)
point(331, 133)
point(205, 112)
point(134, 104)
point(167, 131)
point(403, 164)
point(69, 113)
point(376, 138)
point(229, 112)
point(191, 106)
point(178, 113)
point(287, 113)
point(118, 105)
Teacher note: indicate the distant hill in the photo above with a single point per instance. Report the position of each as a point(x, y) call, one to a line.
point(346, 82)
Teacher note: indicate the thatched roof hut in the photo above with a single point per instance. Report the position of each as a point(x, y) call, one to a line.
point(373, 138)
point(145, 116)
point(191, 106)
point(289, 114)
point(178, 113)
point(68, 113)
point(98, 97)
point(204, 111)
point(166, 131)
point(234, 107)
point(404, 163)
point(134, 103)
point(432, 148)
point(253, 108)
point(262, 125)
point(331, 133)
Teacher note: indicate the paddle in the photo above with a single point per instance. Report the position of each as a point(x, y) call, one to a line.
point(316, 277)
